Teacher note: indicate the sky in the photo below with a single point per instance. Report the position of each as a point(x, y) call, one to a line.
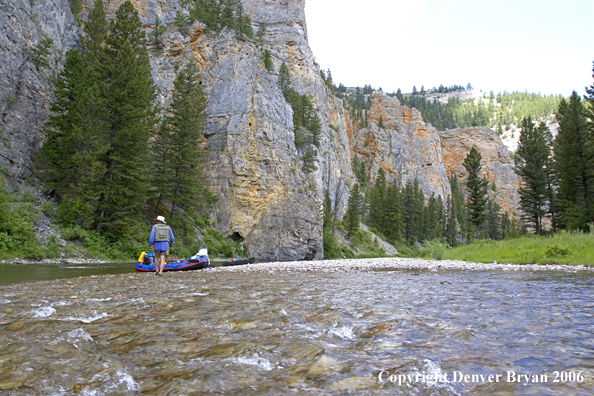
point(544, 46)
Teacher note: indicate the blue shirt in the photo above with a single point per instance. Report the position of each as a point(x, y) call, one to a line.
point(161, 246)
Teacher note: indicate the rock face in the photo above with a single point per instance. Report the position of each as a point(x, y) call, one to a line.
point(26, 89)
point(464, 96)
point(256, 171)
point(406, 148)
point(254, 167)
point(497, 165)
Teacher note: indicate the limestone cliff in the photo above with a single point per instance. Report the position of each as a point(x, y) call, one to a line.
point(26, 88)
point(406, 148)
point(254, 167)
point(497, 164)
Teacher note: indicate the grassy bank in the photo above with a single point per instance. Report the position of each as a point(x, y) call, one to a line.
point(562, 248)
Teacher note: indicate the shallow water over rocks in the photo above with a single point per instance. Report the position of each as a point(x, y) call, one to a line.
point(308, 333)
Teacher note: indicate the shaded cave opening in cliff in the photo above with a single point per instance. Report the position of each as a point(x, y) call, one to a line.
point(236, 236)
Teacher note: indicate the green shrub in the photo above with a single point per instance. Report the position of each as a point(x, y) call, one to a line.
point(436, 248)
point(17, 218)
point(217, 244)
point(71, 212)
point(333, 249)
point(366, 244)
point(557, 250)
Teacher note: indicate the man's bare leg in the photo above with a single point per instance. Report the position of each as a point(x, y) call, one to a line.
point(162, 263)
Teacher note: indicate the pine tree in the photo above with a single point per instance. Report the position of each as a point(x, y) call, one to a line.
point(493, 225)
point(451, 223)
point(392, 226)
point(227, 15)
point(413, 202)
point(129, 112)
point(590, 98)
point(305, 117)
point(284, 80)
point(75, 7)
point(360, 170)
point(552, 181)
point(95, 33)
point(477, 189)
point(574, 163)
point(328, 215)
point(261, 32)
point(244, 22)
point(380, 122)
point(532, 157)
point(433, 218)
point(267, 58)
point(456, 223)
point(309, 158)
point(353, 215)
point(179, 175)
point(41, 51)
point(420, 206)
point(181, 21)
point(68, 160)
point(377, 202)
point(157, 42)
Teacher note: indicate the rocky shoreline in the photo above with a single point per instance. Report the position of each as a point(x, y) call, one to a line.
point(392, 263)
point(345, 265)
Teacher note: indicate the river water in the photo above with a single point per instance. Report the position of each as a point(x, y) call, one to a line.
point(280, 333)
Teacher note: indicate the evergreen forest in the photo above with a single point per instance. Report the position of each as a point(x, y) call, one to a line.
point(502, 112)
point(401, 214)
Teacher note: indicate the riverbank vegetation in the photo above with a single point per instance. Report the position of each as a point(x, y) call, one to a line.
point(403, 216)
point(564, 247)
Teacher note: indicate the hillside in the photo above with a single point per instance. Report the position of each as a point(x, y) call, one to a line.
point(460, 108)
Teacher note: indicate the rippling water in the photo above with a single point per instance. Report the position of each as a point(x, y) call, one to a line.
point(214, 332)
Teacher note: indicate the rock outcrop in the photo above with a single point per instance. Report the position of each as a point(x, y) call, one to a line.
point(497, 164)
point(254, 166)
point(405, 147)
point(26, 88)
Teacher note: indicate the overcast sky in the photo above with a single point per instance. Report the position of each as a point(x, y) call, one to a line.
point(542, 46)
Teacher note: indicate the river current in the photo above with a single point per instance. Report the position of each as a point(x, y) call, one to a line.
point(391, 332)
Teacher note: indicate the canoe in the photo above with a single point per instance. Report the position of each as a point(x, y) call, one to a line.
point(239, 262)
point(176, 265)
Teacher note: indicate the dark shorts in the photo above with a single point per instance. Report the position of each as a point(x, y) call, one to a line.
point(161, 253)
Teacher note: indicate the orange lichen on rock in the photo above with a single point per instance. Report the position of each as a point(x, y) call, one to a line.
point(407, 115)
point(423, 133)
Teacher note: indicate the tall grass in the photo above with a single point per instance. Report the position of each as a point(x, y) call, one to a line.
point(563, 248)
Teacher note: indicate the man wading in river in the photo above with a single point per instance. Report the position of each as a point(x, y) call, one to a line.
point(161, 236)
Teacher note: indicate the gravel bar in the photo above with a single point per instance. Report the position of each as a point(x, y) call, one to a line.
point(394, 264)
